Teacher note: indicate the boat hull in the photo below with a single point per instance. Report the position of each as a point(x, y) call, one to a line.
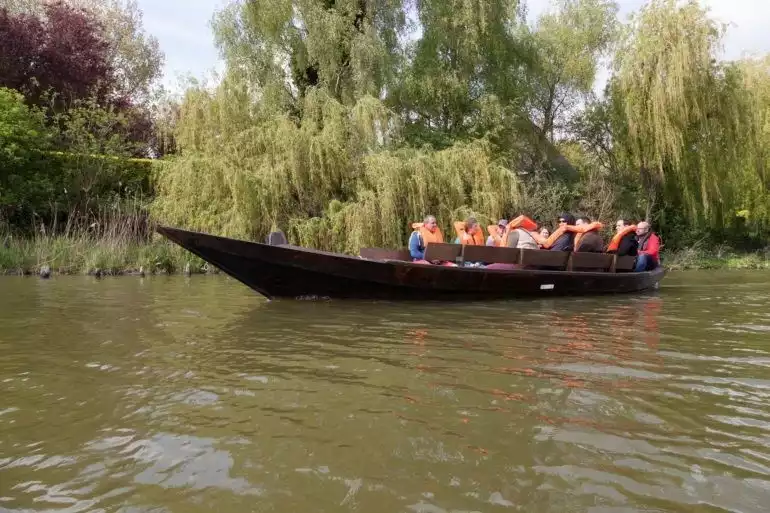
point(292, 272)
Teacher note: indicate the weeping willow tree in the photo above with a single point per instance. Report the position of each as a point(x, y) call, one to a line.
point(755, 184)
point(297, 135)
point(692, 125)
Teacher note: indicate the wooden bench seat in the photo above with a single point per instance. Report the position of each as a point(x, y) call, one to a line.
point(491, 254)
point(593, 262)
point(544, 259)
point(540, 259)
point(443, 252)
point(623, 263)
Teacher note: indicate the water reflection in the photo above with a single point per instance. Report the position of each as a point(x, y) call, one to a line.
point(193, 395)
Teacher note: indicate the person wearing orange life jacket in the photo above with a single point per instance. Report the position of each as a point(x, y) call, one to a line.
point(496, 233)
point(521, 234)
point(624, 241)
point(562, 239)
point(588, 240)
point(423, 234)
point(469, 232)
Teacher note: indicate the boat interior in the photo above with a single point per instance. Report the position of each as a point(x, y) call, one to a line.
point(541, 259)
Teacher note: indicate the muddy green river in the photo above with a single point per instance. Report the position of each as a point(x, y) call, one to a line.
point(168, 394)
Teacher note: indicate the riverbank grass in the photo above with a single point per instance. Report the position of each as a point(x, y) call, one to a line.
point(719, 258)
point(84, 254)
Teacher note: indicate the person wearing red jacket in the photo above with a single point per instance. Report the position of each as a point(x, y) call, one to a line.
point(649, 248)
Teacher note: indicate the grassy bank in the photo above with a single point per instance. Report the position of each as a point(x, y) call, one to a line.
point(85, 254)
point(718, 258)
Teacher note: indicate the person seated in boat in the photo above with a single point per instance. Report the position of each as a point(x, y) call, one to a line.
point(587, 237)
point(545, 233)
point(423, 234)
point(624, 241)
point(562, 239)
point(521, 234)
point(566, 240)
point(469, 232)
point(496, 233)
point(649, 248)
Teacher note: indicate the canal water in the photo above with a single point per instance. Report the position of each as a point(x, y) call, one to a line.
point(168, 394)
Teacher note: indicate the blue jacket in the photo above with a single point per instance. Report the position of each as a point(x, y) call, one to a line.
point(416, 246)
point(564, 243)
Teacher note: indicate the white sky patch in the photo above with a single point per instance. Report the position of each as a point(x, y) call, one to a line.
point(747, 23)
point(183, 28)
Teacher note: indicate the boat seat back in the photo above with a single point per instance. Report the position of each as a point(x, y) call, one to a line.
point(590, 262)
point(385, 254)
point(276, 239)
point(491, 254)
point(624, 263)
point(543, 258)
point(442, 251)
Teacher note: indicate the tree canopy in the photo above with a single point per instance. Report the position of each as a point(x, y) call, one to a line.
point(345, 120)
point(693, 126)
point(342, 121)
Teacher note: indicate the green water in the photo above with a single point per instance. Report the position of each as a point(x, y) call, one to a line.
point(185, 395)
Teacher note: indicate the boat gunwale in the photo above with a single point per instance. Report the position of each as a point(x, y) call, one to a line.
point(404, 263)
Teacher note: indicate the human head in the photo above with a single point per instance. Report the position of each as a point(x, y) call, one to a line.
point(430, 223)
point(566, 219)
point(583, 220)
point(471, 225)
point(545, 233)
point(502, 224)
point(621, 224)
point(642, 228)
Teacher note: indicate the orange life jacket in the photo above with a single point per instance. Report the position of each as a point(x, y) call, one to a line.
point(477, 239)
point(615, 242)
point(582, 230)
point(494, 232)
point(427, 235)
point(523, 222)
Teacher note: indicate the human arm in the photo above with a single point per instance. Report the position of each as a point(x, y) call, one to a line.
point(414, 247)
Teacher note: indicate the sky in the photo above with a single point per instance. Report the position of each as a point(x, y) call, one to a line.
point(184, 32)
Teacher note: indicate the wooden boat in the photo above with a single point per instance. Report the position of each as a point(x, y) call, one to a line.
point(286, 271)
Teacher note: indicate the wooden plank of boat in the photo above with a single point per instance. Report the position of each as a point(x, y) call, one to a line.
point(294, 272)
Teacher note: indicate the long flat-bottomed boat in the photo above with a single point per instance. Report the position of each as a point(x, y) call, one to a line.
point(285, 271)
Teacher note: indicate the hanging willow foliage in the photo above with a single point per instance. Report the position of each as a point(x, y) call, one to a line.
point(689, 120)
point(298, 136)
point(330, 180)
point(332, 124)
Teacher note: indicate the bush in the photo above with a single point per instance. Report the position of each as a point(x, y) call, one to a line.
point(39, 185)
point(23, 139)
